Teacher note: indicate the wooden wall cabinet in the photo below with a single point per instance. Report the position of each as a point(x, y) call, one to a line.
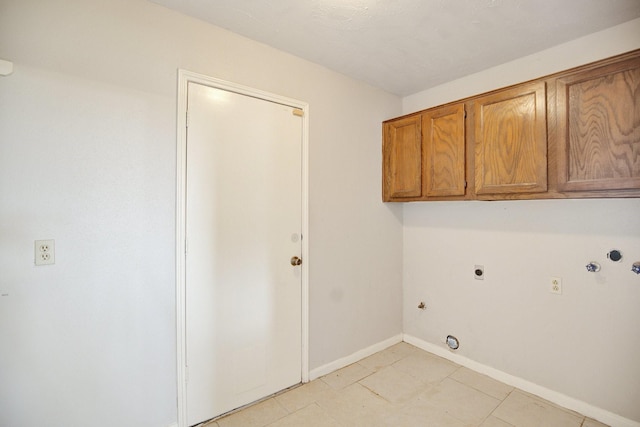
point(511, 141)
point(574, 134)
point(443, 153)
point(402, 159)
point(598, 128)
point(424, 155)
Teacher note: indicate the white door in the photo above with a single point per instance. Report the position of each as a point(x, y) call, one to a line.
point(243, 226)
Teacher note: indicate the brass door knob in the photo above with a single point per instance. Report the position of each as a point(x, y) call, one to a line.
point(295, 261)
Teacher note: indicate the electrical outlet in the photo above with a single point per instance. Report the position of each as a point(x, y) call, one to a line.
point(555, 285)
point(45, 253)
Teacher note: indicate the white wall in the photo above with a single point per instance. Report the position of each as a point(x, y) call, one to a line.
point(583, 343)
point(613, 41)
point(87, 157)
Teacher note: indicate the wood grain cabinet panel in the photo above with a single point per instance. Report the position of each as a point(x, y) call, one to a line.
point(581, 139)
point(443, 154)
point(402, 159)
point(510, 136)
point(598, 128)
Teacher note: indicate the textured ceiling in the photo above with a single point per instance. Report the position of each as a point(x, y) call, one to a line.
point(406, 46)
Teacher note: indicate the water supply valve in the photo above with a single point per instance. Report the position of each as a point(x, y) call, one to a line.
point(593, 267)
point(636, 267)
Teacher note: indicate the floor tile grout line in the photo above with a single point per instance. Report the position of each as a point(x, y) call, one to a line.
point(498, 418)
point(389, 361)
point(287, 413)
point(501, 402)
point(548, 402)
point(480, 391)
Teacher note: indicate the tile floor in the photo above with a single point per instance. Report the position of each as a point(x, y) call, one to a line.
point(404, 386)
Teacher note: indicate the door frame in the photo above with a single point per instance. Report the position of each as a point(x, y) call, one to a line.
point(184, 78)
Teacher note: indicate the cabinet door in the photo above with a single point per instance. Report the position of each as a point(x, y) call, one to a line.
point(510, 135)
point(598, 130)
point(444, 150)
point(402, 157)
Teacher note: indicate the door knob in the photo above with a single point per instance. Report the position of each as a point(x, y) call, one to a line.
point(295, 261)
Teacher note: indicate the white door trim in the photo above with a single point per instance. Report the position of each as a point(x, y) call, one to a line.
point(184, 78)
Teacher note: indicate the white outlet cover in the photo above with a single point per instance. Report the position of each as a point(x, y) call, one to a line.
point(45, 252)
point(555, 285)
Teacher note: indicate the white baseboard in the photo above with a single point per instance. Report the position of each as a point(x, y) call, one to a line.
point(353, 358)
point(604, 416)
